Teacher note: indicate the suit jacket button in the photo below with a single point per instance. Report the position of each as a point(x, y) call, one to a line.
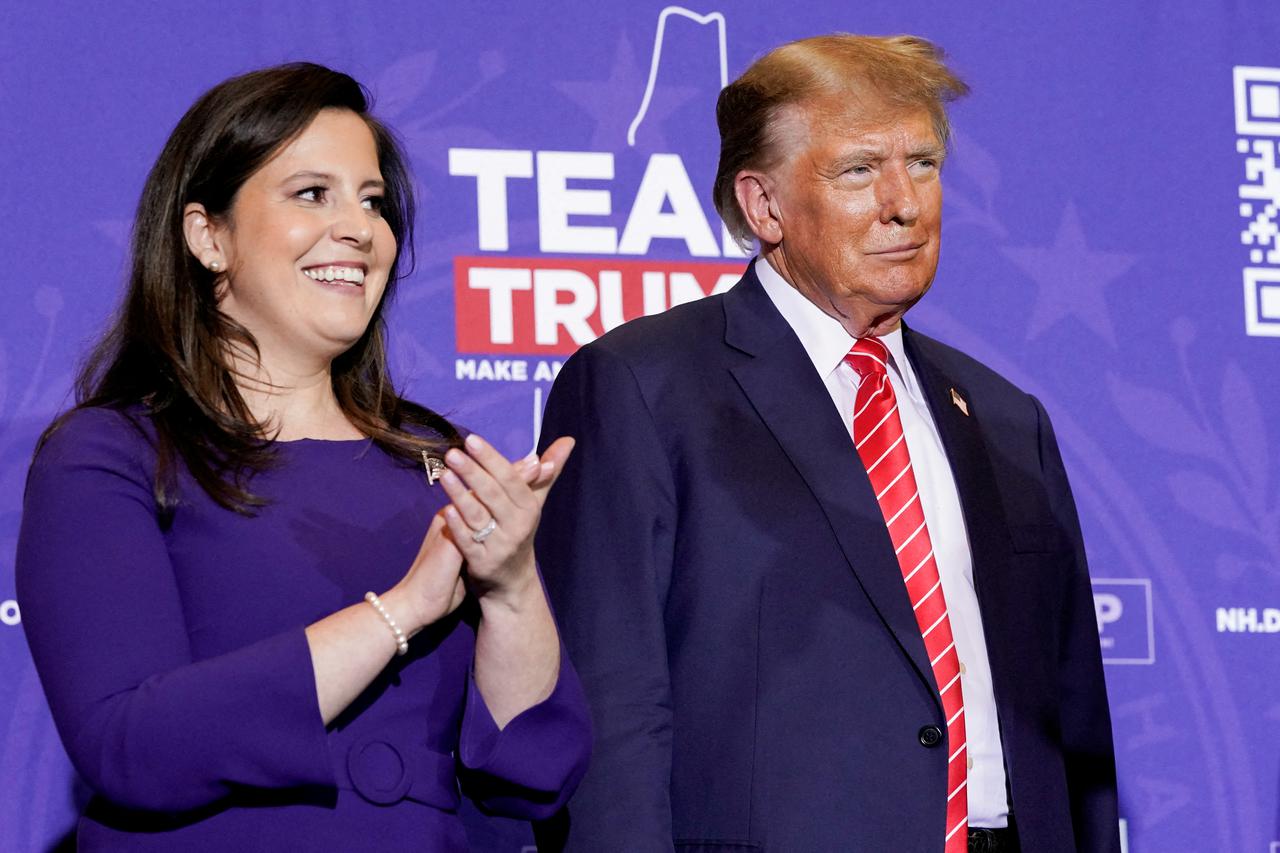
point(930, 736)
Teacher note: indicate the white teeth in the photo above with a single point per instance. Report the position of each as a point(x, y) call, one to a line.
point(351, 275)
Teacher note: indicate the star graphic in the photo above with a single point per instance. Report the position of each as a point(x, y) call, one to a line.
point(613, 102)
point(1070, 278)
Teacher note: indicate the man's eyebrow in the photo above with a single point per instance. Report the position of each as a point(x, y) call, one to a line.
point(866, 154)
point(927, 150)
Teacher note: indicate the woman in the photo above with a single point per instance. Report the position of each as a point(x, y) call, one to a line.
point(245, 638)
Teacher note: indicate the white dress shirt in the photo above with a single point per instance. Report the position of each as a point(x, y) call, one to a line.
point(827, 343)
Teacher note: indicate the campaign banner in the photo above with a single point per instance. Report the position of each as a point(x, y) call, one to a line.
point(1111, 245)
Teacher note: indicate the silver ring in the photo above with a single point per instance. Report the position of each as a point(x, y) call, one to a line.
point(484, 532)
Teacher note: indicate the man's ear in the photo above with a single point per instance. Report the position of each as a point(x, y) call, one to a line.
point(202, 237)
point(755, 193)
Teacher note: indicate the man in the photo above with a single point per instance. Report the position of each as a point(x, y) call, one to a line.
point(822, 575)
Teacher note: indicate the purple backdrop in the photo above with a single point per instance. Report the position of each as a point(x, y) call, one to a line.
point(1110, 246)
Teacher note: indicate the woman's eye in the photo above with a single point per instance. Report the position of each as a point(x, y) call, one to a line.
point(373, 202)
point(315, 194)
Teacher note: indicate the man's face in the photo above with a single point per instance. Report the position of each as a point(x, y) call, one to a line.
point(858, 202)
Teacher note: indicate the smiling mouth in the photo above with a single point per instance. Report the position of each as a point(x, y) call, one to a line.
point(352, 276)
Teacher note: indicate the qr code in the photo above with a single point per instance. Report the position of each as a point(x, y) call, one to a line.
point(1257, 110)
point(1260, 198)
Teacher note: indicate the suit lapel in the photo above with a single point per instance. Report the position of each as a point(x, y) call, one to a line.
point(793, 403)
point(959, 425)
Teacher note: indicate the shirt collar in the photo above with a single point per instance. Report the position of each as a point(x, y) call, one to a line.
point(821, 335)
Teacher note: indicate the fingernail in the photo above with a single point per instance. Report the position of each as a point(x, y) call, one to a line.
point(455, 457)
point(547, 468)
point(474, 442)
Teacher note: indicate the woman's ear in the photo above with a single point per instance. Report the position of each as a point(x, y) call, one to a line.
point(202, 238)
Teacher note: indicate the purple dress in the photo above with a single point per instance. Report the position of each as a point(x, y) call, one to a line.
point(173, 655)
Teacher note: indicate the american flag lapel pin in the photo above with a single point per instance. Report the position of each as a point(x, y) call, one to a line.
point(959, 402)
point(435, 467)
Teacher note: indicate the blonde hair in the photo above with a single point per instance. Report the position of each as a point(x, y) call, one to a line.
point(901, 71)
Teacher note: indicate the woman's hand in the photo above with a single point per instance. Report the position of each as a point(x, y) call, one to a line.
point(433, 587)
point(349, 648)
point(494, 514)
point(517, 658)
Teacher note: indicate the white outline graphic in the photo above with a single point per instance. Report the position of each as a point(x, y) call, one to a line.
point(656, 59)
point(1151, 624)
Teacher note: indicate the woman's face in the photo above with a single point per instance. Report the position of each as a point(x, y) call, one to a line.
point(306, 249)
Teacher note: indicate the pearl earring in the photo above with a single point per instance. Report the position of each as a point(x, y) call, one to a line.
point(215, 266)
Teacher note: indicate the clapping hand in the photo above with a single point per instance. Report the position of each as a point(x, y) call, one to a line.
point(485, 487)
point(495, 511)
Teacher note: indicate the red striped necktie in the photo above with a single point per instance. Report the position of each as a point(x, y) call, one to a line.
point(877, 431)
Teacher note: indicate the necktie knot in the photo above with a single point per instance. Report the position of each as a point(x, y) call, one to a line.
point(869, 357)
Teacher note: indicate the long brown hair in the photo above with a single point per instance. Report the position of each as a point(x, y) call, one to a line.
point(165, 353)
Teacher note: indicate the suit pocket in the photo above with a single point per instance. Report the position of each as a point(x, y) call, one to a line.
point(687, 845)
point(1037, 538)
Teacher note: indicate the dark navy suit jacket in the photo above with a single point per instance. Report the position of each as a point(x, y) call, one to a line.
point(730, 596)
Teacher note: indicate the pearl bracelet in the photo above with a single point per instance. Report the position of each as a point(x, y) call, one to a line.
point(402, 642)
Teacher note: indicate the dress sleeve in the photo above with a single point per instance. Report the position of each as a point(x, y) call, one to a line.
point(146, 726)
point(531, 767)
